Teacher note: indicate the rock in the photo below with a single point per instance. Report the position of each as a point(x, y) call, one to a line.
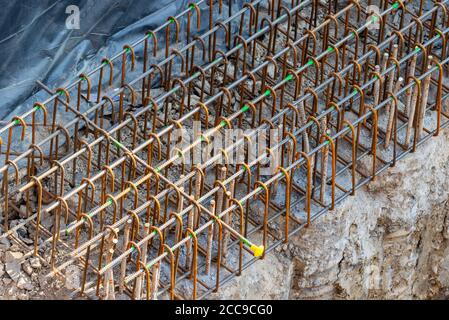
point(2, 269)
point(14, 247)
point(230, 70)
point(22, 231)
point(23, 296)
point(197, 89)
point(194, 99)
point(23, 214)
point(13, 270)
point(397, 234)
point(4, 243)
point(13, 256)
point(34, 277)
point(27, 268)
point(28, 241)
point(43, 281)
point(47, 222)
point(35, 263)
point(24, 283)
point(12, 292)
point(57, 285)
point(33, 206)
point(271, 70)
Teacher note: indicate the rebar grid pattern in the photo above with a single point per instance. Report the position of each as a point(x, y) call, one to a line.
point(350, 99)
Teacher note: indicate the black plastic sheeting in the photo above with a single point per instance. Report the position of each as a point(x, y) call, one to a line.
point(36, 45)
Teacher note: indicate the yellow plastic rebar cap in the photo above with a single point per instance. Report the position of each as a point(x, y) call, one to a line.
point(257, 250)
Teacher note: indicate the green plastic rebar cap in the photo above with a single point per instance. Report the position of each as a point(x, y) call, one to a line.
point(245, 241)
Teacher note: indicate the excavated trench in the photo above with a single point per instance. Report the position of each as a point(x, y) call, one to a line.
point(389, 241)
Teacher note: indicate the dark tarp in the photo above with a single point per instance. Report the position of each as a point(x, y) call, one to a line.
point(36, 45)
